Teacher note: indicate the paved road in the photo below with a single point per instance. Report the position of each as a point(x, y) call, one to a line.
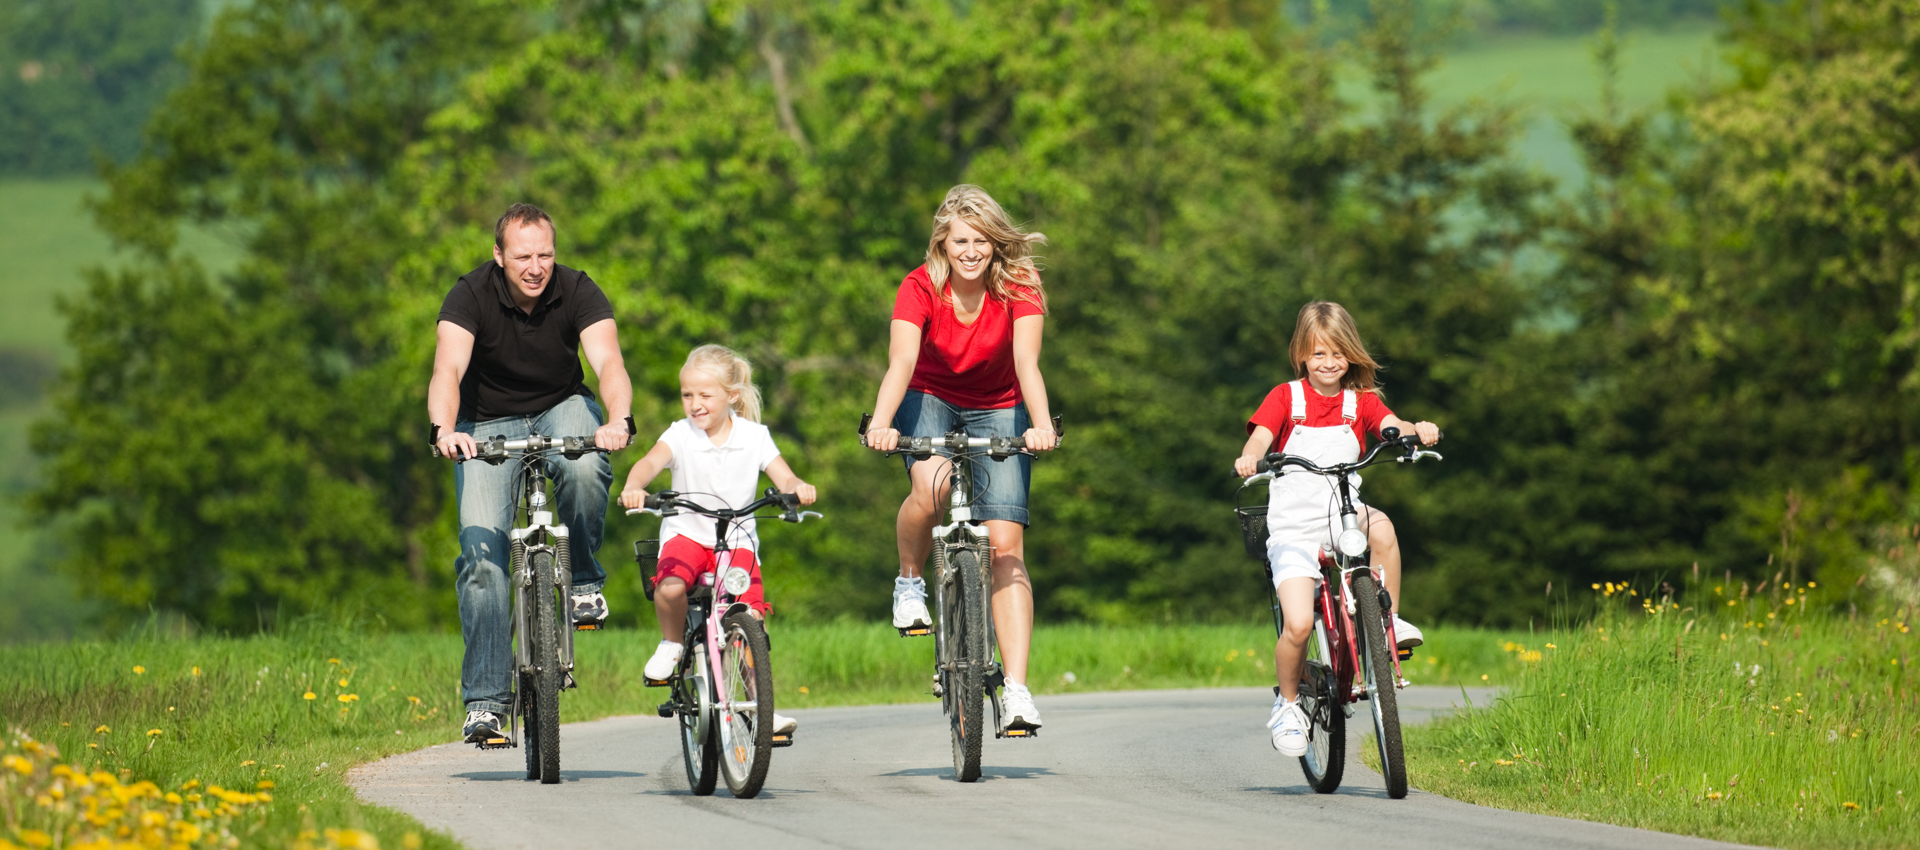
point(1114, 770)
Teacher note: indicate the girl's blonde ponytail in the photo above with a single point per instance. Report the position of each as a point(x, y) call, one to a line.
point(734, 373)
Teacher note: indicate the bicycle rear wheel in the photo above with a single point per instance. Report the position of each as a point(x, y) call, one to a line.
point(1377, 667)
point(746, 710)
point(693, 691)
point(544, 712)
point(1326, 759)
point(963, 618)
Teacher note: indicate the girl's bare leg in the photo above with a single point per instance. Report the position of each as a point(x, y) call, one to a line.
point(1386, 552)
point(670, 607)
point(920, 513)
point(1012, 596)
point(1296, 617)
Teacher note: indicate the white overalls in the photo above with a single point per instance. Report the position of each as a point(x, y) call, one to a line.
point(1303, 509)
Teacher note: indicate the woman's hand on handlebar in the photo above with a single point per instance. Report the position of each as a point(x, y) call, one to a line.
point(883, 439)
point(1041, 439)
point(633, 498)
point(1246, 465)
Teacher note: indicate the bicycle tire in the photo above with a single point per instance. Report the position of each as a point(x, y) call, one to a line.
point(965, 617)
point(1326, 760)
point(529, 731)
point(702, 756)
point(545, 718)
point(1377, 665)
point(746, 677)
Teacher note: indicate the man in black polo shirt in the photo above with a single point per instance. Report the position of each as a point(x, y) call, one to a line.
point(507, 363)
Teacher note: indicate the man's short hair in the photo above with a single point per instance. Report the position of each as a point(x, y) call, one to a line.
point(520, 214)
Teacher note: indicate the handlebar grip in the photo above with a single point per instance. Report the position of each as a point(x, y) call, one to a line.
point(1262, 467)
point(789, 501)
point(658, 501)
point(865, 420)
point(1058, 429)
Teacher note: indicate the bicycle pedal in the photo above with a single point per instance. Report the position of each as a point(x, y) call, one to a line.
point(588, 627)
point(1018, 733)
point(916, 631)
point(783, 740)
point(1406, 653)
point(666, 709)
point(655, 683)
point(496, 743)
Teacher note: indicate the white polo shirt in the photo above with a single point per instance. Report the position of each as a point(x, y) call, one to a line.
point(717, 476)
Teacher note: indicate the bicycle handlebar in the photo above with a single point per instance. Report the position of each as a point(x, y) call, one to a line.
point(659, 504)
point(1272, 465)
point(923, 447)
point(498, 448)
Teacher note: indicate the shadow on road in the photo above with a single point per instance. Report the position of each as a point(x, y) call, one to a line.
point(986, 773)
point(1304, 791)
point(565, 775)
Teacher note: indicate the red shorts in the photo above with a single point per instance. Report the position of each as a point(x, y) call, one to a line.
point(686, 560)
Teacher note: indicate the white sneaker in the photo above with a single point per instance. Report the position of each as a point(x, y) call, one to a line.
point(1289, 727)
point(665, 658)
point(910, 604)
point(1016, 708)
point(784, 725)
point(1406, 634)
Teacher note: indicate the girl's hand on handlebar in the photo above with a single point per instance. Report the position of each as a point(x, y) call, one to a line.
point(633, 498)
point(805, 491)
point(1429, 433)
point(883, 439)
point(1041, 439)
point(1246, 465)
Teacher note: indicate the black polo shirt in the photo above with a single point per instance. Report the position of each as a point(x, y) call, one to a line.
point(523, 363)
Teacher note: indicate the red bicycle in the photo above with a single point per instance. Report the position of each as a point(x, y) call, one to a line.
point(1353, 626)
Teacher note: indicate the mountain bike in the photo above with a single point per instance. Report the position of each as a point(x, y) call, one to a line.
point(722, 691)
point(965, 671)
point(540, 564)
point(1352, 629)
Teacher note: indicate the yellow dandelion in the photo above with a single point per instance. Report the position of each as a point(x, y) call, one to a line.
point(36, 838)
point(1715, 795)
point(139, 670)
point(196, 671)
point(264, 785)
point(343, 681)
point(348, 697)
point(333, 661)
point(410, 841)
point(101, 729)
point(1551, 646)
point(803, 689)
point(1596, 587)
point(307, 695)
point(152, 732)
point(1483, 677)
point(414, 700)
point(1850, 806)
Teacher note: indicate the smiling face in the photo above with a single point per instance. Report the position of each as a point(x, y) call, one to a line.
point(706, 402)
point(526, 253)
point(1326, 366)
point(969, 252)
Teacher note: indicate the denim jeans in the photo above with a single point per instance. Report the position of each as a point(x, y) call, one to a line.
point(487, 499)
point(999, 487)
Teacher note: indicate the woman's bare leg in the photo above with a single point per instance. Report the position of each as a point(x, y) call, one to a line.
point(1012, 596)
point(920, 513)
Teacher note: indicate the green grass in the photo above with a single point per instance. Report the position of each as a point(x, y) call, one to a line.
point(1762, 722)
point(234, 712)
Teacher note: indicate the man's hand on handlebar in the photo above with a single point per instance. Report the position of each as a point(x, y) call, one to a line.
point(455, 445)
point(612, 436)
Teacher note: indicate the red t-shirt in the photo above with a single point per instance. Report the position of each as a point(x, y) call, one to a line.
point(1276, 413)
point(969, 366)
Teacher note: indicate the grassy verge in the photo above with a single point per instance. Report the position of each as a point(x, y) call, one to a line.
point(1754, 720)
point(298, 709)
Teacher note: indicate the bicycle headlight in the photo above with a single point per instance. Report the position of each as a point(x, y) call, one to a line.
point(736, 581)
point(1353, 543)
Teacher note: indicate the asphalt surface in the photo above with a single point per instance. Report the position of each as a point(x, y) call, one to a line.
point(1112, 770)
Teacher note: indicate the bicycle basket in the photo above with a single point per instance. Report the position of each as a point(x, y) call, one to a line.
point(1253, 530)
point(646, 553)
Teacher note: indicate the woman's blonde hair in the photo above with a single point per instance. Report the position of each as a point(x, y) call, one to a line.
point(1329, 321)
point(1013, 260)
point(735, 375)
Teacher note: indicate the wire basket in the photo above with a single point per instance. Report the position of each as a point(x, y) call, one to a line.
point(646, 553)
point(1253, 530)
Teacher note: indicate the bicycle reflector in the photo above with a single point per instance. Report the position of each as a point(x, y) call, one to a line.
point(736, 581)
point(1353, 543)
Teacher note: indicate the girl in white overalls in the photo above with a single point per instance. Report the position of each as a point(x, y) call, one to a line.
point(1303, 508)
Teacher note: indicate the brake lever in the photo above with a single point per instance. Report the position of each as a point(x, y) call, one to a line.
point(799, 517)
point(1257, 478)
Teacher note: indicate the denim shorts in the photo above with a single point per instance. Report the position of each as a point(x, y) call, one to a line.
point(999, 487)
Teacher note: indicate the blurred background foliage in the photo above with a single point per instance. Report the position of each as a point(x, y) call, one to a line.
point(1697, 347)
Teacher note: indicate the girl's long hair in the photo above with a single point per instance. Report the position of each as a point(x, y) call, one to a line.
point(1330, 321)
point(734, 373)
point(1012, 273)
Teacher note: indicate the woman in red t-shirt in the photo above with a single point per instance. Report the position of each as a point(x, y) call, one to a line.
point(965, 350)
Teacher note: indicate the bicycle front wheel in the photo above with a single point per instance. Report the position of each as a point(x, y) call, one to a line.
point(1326, 758)
point(693, 691)
point(963, 615)
point(746, 707)
point(544, 712)
point(1376, 661)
